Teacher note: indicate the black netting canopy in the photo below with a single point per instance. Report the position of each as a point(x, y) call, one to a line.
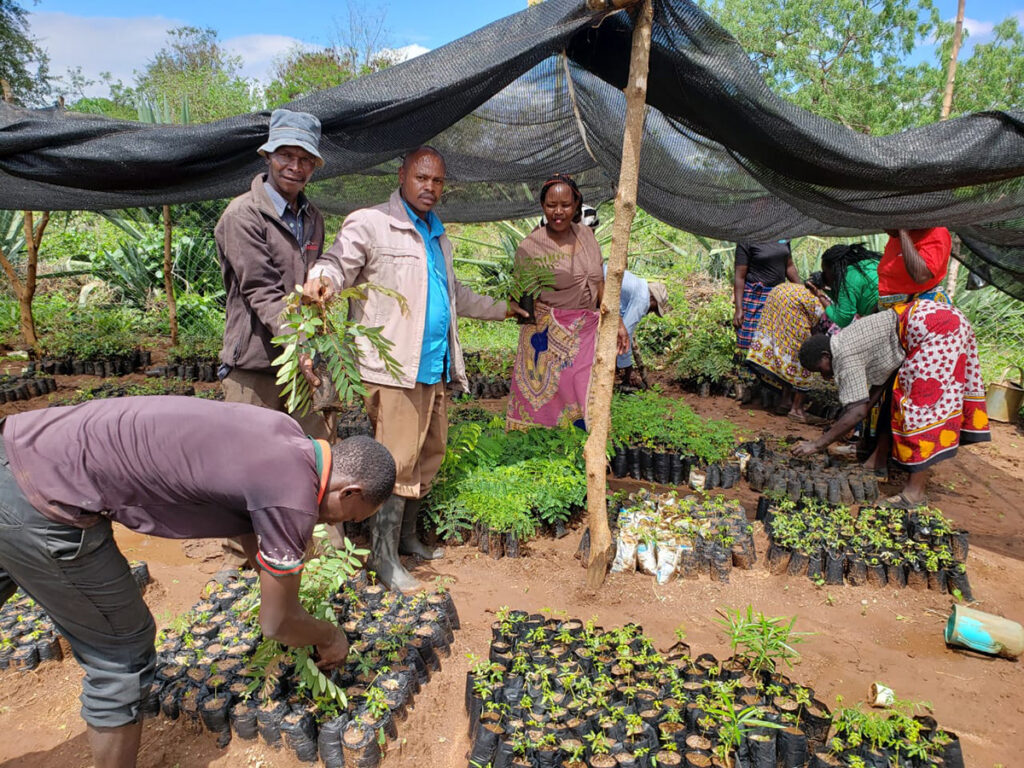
point(538, 92)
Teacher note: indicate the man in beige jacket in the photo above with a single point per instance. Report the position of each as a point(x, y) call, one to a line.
point(402, 245)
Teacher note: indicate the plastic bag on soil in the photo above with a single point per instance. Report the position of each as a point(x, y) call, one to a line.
point(625, 554)
point(646, 556)
point(668, 560)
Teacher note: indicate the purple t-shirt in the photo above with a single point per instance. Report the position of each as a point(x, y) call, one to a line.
point(176, 467)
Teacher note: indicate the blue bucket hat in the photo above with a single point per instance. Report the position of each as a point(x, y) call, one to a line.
point(293, 129)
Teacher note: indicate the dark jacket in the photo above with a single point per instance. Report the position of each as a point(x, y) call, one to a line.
point(261, 263)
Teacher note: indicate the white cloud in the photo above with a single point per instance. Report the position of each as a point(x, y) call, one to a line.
point(123, 45)
point(99, 44)
point(406, 52)
point(977, 29)
point(259, 51)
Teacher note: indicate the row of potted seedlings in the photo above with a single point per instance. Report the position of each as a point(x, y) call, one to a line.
point(115, 365)
point(662, 535)
point(669, 467)
point(567, 693)
point(190, 369)
point(132, 389)
point(834, 545)
point(216, 669)
point(661, 439)
point(28, 636)
point(484, 386)
point(25, 386)
point(822, 478)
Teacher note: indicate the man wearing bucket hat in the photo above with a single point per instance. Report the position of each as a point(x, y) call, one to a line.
point(638, 299)
point(267, 239)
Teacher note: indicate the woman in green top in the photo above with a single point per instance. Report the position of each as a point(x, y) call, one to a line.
point(851, 274)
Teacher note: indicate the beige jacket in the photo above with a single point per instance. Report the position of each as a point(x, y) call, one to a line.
point(380, 245)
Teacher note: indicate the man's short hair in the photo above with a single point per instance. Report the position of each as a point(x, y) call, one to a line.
point(363, 460)
point(423, 149)
point(812, 350)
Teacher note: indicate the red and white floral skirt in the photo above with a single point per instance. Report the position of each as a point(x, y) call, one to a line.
point(939, 396)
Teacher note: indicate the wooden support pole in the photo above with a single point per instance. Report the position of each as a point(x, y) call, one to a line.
point(603, 373)
point(947, 106)
point(25, 289)
point(172, 306)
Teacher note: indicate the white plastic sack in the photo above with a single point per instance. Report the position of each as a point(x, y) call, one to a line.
point(668, 560)
point(625, 554)
point(647, 557)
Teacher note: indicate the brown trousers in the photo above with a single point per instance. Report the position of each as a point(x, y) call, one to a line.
point(413, 425)
point(260, 388)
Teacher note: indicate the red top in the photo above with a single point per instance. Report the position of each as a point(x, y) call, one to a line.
point(934, 245)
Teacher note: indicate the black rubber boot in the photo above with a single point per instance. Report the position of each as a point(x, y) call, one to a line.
point(385, 528)
point(409, 543)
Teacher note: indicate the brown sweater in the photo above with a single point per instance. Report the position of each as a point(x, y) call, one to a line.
point(261, 263)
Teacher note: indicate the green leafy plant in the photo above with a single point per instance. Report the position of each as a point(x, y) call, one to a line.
point(322, 334)
point(761, 641)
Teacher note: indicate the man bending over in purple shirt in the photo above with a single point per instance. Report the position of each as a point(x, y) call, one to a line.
point(176, 467)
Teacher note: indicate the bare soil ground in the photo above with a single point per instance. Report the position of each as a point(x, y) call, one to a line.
point(860, 635)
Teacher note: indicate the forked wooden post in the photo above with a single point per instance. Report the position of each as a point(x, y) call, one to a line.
point(172, 306)
point(947, 105)
point(603, 374)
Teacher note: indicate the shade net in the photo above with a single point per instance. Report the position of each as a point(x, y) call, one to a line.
point(540, 92)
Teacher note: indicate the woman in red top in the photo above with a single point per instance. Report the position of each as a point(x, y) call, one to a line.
point(914, 263)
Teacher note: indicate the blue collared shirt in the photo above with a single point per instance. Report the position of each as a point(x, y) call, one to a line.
point(634, 302)
point(291, 219)
point(437, 318)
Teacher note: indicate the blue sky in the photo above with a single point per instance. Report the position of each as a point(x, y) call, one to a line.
point(119, 36)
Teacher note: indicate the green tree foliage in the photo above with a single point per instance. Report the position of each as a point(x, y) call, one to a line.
point(23, 62)
point(842, 59)
point(193, 68)
point(301, 72)
point(993, 76)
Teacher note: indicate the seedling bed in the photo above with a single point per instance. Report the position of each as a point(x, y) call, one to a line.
point(568, 693)
point(662, 534)
point(28, 636)
point(497, 489)
point(190, 369)
point(216, 671)
point(133, 389)
point(834, 545)
point(481, 386)
point(114, 365)
point(824, 478)
point(25, 386)
point(661, 439)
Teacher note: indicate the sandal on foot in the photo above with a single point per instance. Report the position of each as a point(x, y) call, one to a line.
point(899, 501)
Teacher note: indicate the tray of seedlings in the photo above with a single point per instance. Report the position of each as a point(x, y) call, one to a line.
point(567, 693)
point(187, 369)
point(94, 365)
point(25, 386)
point(825, 478)
point(497, 490)
point(217, 672)
point(662, 535)
point(132, 389)
point(28, 636)
point(662, 440)
point(830, 544)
